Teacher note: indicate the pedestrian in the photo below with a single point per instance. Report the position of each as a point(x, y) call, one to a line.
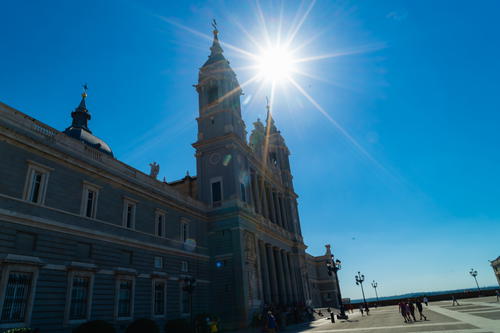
point(213, 325)
point(426, 301)
point(420, 309)
point(367, 309)
point(407, 309)
point(498, 295)
point(412, 309)
point(402, 310)
point(454, 300)
point(271, 325)
point(361, 309)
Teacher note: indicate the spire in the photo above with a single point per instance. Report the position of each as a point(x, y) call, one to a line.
point(269, 118)
point(81, 115)
point(215, 50)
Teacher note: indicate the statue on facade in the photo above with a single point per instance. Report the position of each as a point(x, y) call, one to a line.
point(155, 169)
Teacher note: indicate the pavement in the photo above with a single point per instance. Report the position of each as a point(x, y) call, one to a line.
point(474, 315)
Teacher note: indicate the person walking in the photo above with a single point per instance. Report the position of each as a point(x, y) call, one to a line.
point(420, 309)
point(361, 309)
point(412, 309)
point(498, 295)
point(407, 309)
point(271, 325)
point(402, 310)
point(367, 309)
point(426, 301)
point(454, 300)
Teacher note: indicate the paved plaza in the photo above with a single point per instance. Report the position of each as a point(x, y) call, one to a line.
point(479, 315)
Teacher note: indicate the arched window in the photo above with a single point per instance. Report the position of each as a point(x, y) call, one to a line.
point(213, 94)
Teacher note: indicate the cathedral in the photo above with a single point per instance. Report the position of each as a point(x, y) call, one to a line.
point(84, 236)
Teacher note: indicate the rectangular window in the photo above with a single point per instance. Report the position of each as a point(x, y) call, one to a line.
point(89, 200)
point(184, 266)
point(216, 193)
point(243, 192)
point(36, 182)
point(184, 231)
point(17, 295)
point(79, 297)
point(160, 224)
point(158, 262)
point(125, 298)
point(126, 257)
point(159, 298)
point(129, 208)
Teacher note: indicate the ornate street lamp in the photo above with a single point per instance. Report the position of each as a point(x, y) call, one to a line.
point(333, 267)
point(473, 273)
point(360, 278)
point(189, 285)
point(375, 285)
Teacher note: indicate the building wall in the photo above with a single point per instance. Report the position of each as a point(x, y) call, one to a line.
point(495, 264)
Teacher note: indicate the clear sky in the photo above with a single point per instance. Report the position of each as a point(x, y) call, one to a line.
point(401, 176)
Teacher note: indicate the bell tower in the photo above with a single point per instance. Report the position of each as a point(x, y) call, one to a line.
point(221, 161)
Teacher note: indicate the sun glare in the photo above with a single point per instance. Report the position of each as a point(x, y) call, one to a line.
point(275, 64)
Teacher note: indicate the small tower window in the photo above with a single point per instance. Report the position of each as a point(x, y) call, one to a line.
point(213, 94)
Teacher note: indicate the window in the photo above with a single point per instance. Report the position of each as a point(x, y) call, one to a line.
point(160, 223)
point(184, 266)
point(243, 192)
point(88, 207)
point(158, 262)
point(17, 294)
point(129, 207)
point(125, 289)
point(216, 192)
point(79, 296)
point(36, 182)
point(159, 296)
point(17, 289)
point(184, 231)
point(212, 94)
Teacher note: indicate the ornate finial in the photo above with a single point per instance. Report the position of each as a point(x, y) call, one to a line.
point(187, 173)
point(214, 25)
point(267, 104)
point(155, 169)
point(85, 88)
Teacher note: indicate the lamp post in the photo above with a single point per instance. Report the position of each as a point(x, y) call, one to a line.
point(360, 278)
point(189, 285)
point(375, 285)
point(473, 273)
point(333, 267)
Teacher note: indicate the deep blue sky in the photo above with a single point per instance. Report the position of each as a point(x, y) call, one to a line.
point(419, 95)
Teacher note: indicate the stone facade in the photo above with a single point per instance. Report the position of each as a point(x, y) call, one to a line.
point(85, 236)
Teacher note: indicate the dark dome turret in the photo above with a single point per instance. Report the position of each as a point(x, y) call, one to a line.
point(79, 127)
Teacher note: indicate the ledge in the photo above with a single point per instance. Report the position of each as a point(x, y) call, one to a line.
point(10, 258)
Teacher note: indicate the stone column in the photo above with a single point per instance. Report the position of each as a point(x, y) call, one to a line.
point(282, 211)
point(288, 282)
point(256, 194)
point(273, 276)
point(271, 205)
point(278, 209)
point(281, 276)
point(263, 195)
point(264, 266)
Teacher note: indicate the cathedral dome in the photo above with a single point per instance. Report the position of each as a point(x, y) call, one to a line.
point(79, 129)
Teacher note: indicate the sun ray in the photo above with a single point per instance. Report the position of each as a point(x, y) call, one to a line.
point(262, 20)
point(337, 125)
point(291, 37)
point(365, 49)
point(208, 37)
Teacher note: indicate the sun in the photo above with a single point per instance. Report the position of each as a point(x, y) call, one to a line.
point(275, 64)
